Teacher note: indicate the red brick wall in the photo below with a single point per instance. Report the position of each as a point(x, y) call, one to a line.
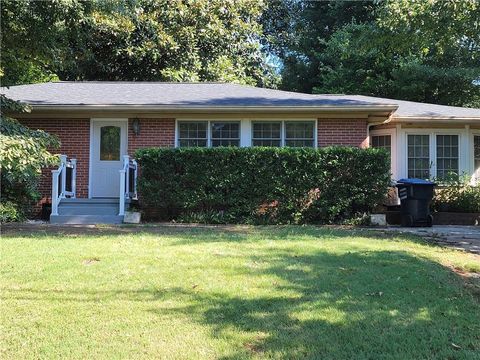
point(153, 133)
point(74, 135)
point(348, 132)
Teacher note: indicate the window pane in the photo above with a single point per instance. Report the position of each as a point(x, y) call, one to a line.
point(267, 133)
point(299, 133)
point(447, 156)
point(383, 142)
point(192, 133)
point(418, 156)
point(266, 143)
point(110, 143)
point(225, 133)
point(476, 156)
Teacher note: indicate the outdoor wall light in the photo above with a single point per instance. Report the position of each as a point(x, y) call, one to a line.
point(136, 126)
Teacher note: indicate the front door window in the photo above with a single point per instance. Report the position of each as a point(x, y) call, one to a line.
point(110, 143)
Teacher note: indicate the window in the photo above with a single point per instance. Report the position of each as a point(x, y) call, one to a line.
point(110, 143)
point(383, 142)
point(418, 156)
point(299, 133)
point(267, 133)
point(476, 156)
point(225, 134)
point(447, 156)
point(192, 133)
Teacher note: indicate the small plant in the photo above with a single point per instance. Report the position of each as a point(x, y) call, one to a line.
point(457, 195)
point(9, 212)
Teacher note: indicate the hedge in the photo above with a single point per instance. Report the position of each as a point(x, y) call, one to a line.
point(261, 185)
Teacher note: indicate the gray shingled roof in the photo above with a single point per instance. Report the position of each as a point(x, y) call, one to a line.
point(186, 95)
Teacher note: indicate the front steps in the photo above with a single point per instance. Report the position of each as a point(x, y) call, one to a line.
point(87, 211)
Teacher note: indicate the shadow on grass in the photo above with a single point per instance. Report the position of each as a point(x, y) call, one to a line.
point(375, 305)
point(384, 304)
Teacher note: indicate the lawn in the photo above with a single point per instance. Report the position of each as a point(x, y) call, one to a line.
point(233, 293)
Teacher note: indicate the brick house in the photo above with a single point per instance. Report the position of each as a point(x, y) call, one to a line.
point(101, 124)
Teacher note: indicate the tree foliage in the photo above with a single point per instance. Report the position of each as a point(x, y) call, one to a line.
point(23, 154)
point(421, 50)
point(199, 40)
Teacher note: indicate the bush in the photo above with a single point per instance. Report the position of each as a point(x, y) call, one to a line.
point(23, 154)
point(9, 212)
point(457, 196)
point(261, 185)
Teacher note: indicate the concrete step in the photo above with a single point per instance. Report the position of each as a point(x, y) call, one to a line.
point(88, 210)
point(86, 219)
point(80, 202)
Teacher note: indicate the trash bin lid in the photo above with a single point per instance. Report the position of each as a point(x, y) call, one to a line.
point(414, 181)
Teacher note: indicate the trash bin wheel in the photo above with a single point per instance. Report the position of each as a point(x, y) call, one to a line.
point(407, 220)
point(429, 220)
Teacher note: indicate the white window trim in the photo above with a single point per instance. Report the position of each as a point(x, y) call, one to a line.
point(475, 178)
point(283, 131)
point(462, 148)
point(246, 128)
point(393, 147)
point(209, 129)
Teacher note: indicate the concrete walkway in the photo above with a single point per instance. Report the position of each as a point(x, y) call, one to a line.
point(465, 238)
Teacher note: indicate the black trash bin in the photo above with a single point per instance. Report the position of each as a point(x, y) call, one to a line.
point(415, 197)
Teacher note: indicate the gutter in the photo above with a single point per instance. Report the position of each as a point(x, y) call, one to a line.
point(209, 109)
point(437, 119)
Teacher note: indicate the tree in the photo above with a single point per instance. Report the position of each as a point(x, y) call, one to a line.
point(199, 40)
point(23, 154)
point(423, 50)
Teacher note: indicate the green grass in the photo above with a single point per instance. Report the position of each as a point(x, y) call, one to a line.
point(233, 293)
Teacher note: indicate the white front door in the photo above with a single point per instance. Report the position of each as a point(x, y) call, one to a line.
point(108, 146)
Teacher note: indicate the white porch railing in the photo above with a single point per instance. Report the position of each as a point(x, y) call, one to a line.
point(128, 182)
point(63, 182)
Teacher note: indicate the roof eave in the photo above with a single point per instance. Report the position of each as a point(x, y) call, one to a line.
point(437, 119)
point(201, 108)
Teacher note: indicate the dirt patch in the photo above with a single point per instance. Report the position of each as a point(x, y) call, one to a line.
point(471, 281)
point(90, 261)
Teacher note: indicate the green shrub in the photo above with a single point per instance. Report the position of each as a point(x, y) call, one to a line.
point(457, 196)
point(9, 212)
point(261, 185)
point(23, 154)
